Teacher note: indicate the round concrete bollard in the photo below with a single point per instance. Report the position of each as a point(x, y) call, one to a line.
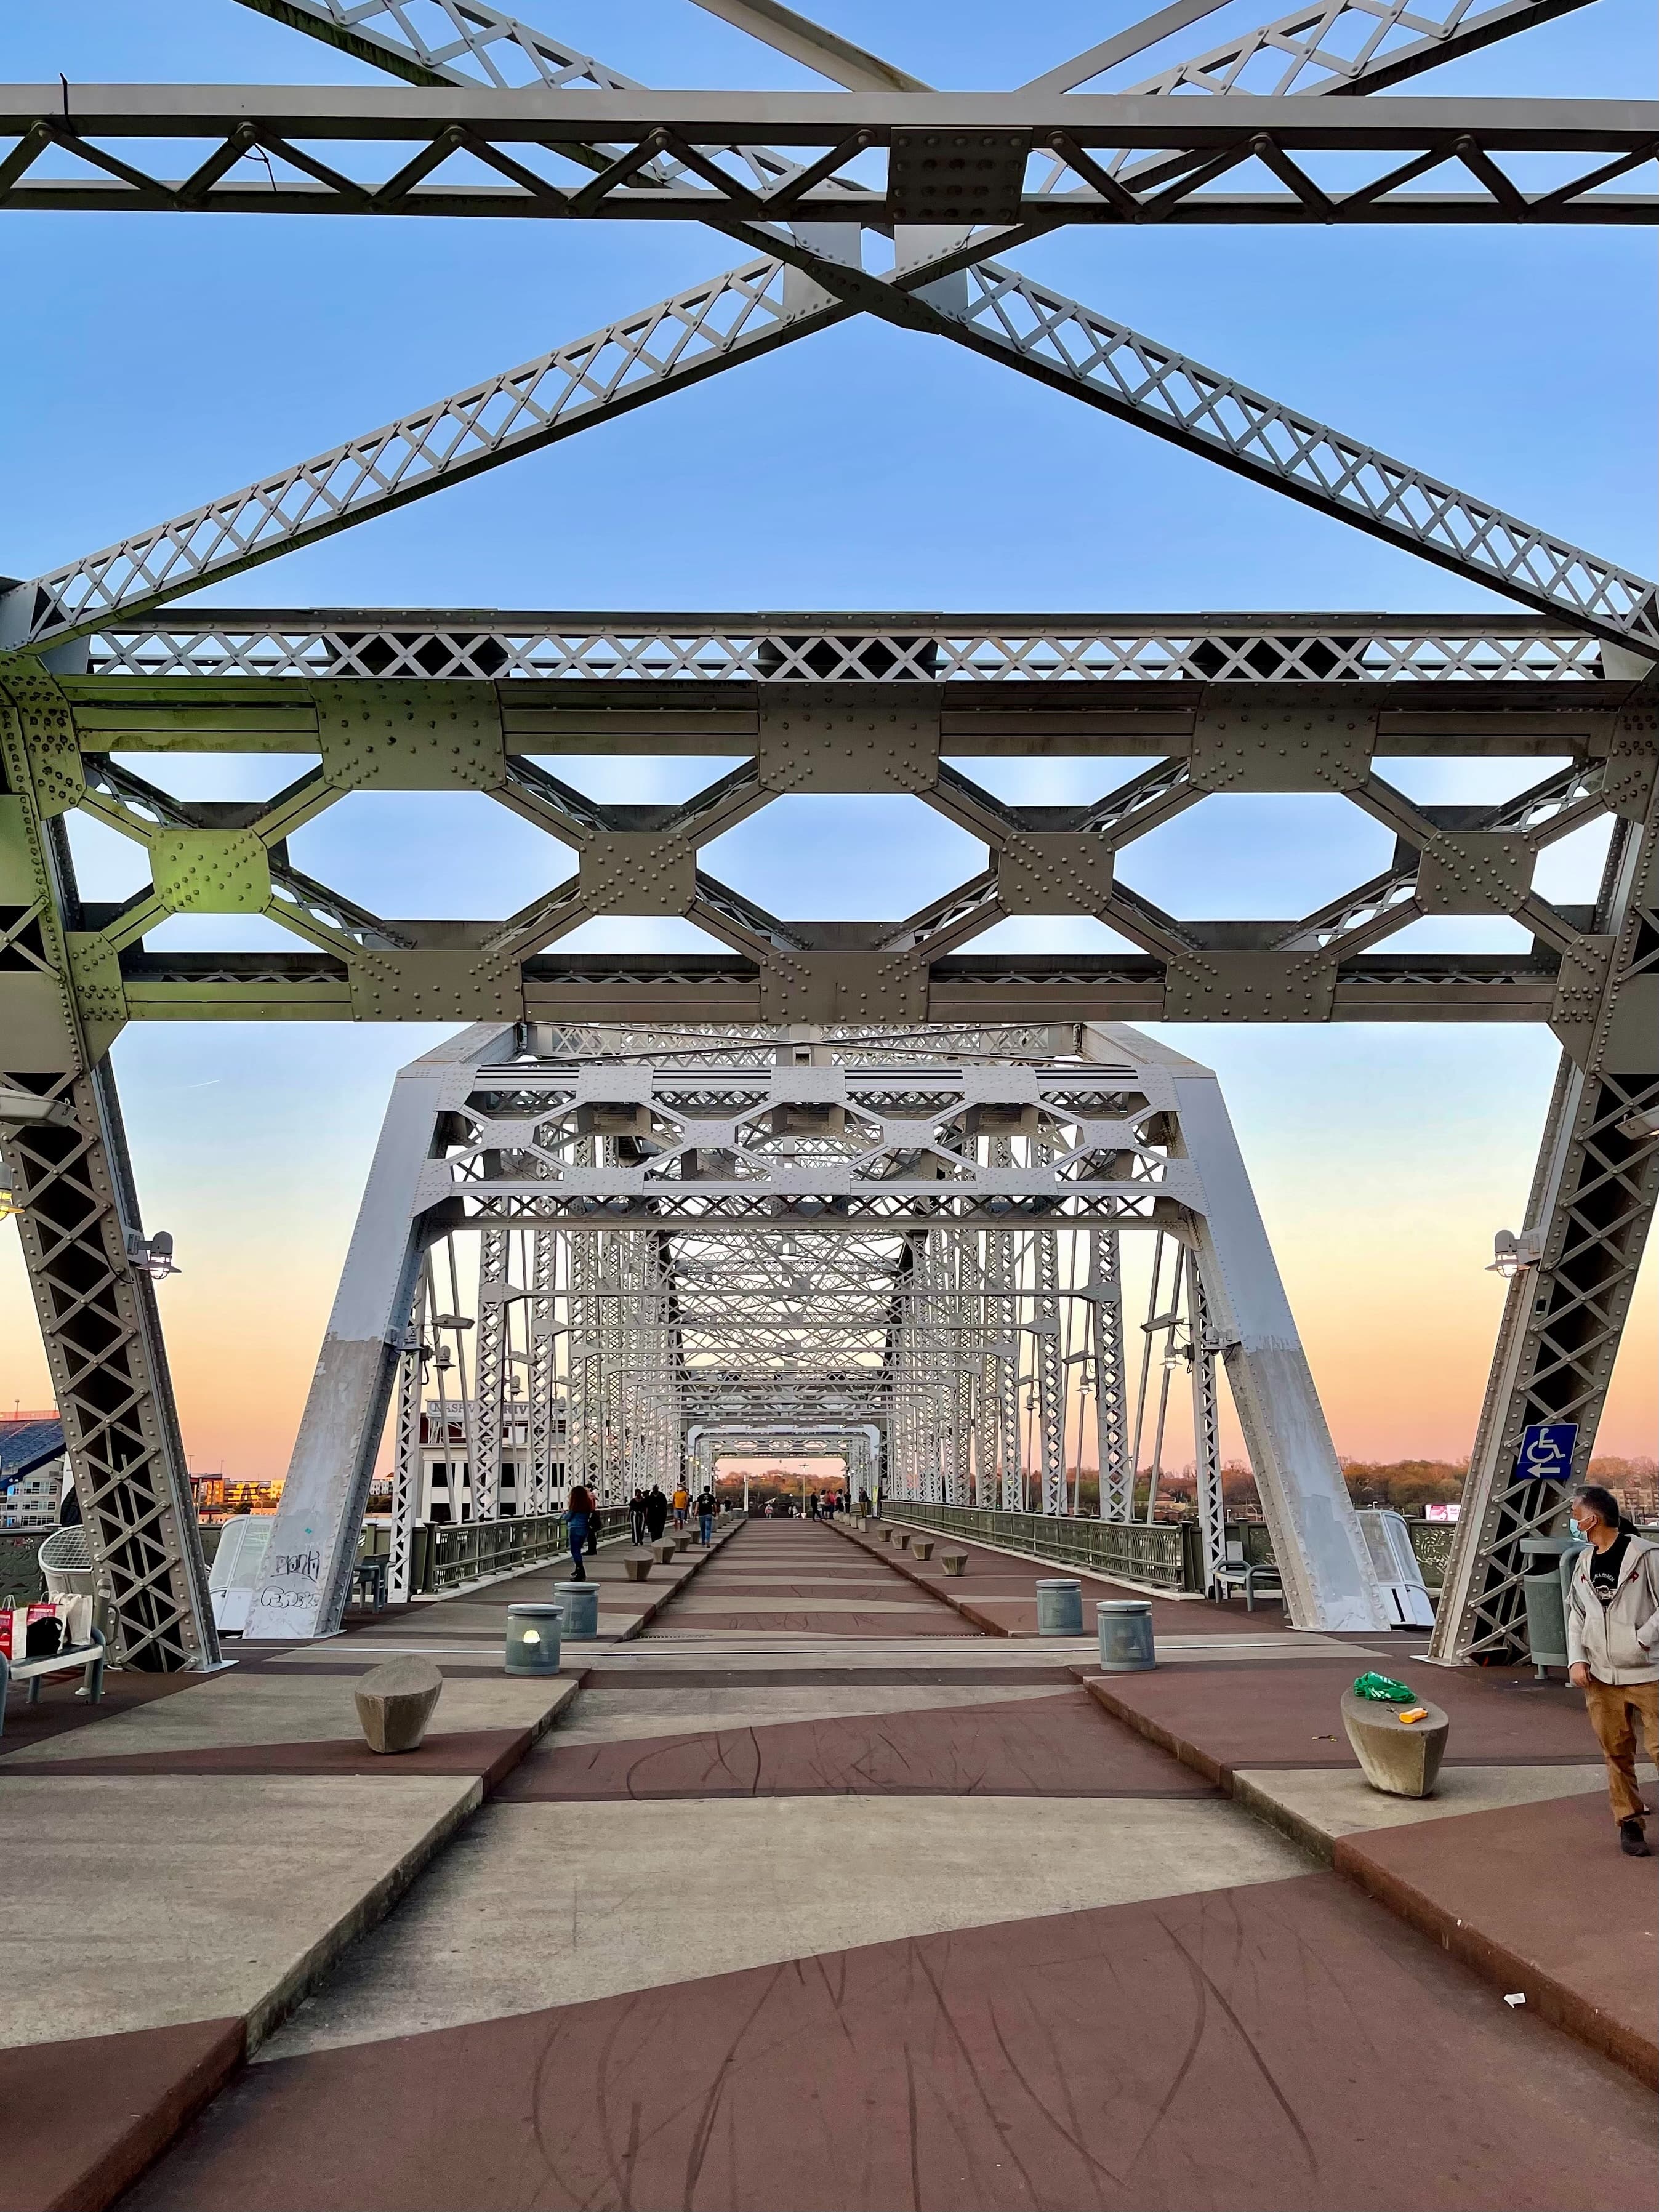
point(1059, 1608)
point(532, 1639)
point(954, 1563)
point(1126, 1636)
point(901, 1538)
point(886, 1533)
point(636, 1566)
point(580, 1601)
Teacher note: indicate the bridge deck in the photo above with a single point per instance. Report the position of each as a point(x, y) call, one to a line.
point(813, 1894)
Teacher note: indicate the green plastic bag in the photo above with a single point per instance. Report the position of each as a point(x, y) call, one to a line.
point(1382, 1691)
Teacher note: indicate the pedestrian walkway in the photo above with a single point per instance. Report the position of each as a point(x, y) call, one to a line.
point(806, 1902)
point(185, 1861)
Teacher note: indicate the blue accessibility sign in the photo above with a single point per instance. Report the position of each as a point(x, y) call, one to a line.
point(1545, 1453)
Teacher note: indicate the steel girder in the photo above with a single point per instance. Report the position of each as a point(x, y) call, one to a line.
point(214, 647)
point(303, 150)
point(975, 687)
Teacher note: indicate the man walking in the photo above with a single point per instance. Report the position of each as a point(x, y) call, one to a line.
point(1612, 1627)
point(705, 1518)
point(656, 1513)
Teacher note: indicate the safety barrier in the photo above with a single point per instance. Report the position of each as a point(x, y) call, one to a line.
point(456, 1551)
point(1164, 1555)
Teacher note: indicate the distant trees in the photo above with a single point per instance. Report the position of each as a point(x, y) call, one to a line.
point(1406, 1484)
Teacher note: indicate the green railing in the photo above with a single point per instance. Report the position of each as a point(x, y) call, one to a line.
point(1164, 1556)
point(468, 1551)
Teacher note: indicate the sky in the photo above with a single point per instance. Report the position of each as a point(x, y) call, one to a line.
point(154, 361)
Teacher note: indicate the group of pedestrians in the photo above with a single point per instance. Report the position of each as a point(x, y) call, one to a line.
point(648, 1512)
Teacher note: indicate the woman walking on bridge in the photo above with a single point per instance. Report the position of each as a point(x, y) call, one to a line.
point(579, 1513)
point(1613, 1628)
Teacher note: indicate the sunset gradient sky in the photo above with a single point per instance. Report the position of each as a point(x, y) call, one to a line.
point(154, 361)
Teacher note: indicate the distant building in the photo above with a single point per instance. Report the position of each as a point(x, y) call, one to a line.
point(217, 1500)
point(33, 1466)
point(446, 1470)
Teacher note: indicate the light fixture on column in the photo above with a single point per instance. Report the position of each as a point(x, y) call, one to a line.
point(1513, 1253)
point(152, 1255)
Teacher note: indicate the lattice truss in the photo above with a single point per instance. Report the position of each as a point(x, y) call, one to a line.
point(887, 199)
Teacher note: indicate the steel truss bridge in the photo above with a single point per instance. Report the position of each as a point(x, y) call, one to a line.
point(900, 1244)
point(882, 197)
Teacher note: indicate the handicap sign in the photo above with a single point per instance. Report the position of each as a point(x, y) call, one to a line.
point(1545, 1454)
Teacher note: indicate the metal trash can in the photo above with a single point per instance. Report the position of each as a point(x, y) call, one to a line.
point(1125, 1635)
point(532, 1639)
point(1545, 1590)
point(1059, 1608)
point(580, 1601)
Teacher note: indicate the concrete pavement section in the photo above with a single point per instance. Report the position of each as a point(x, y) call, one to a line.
point(798, 1888)
point(200, 1850)
point(809, 1903)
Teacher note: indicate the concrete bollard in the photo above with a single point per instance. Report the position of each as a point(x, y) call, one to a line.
point(921, 1547)
point(395, 1702)
point(1400, 1758)
point(1126, 1636)
point(580, 1601)
point(532, 1639)
point(954, 1563)
point(1059, 1608)
point(901, 1538)
point(664, 1551)
point(636, 1566)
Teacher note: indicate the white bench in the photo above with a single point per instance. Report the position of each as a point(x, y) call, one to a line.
point(87, 1657)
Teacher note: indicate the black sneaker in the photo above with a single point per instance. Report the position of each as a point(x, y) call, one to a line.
point(1632, 1841)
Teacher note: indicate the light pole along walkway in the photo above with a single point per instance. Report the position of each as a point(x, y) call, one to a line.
point(815, 1896)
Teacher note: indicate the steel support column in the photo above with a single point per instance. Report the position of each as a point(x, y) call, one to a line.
point(1588, 1216)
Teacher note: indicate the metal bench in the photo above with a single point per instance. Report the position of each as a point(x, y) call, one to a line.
point(87, 1657)
point(1248, 1574)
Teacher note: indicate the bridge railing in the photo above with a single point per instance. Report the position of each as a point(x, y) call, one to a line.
point(450, 1553)
point(456, 1551)
point(1164, 1555)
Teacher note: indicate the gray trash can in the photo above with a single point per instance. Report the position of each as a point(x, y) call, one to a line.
point(1125, 1635)
point(532, 1639)
point(1544, 1592)
point(580, 1601)
point(1059, 1608)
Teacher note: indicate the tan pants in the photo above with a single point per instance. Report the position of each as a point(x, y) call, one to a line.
point(1611, 1706)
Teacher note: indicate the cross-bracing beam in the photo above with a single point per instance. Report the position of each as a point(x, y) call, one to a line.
point(1027, 326)
point(1112, 158)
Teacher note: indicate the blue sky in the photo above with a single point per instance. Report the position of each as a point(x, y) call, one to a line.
point(154, 361)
